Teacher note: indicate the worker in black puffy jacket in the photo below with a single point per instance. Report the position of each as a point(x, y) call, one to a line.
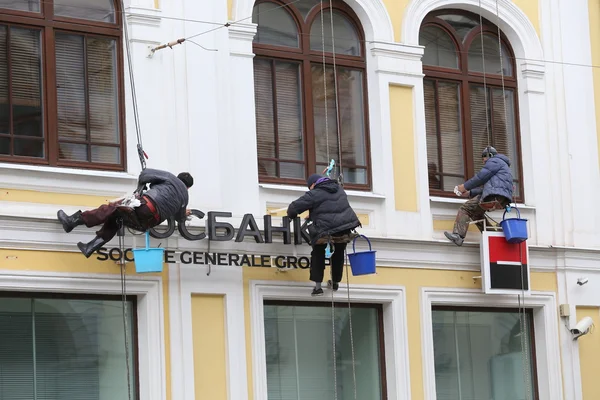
point(331, 220)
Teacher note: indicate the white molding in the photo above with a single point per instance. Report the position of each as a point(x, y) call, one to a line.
point(151, 344)
point(190, 280)
point(372, 14)
point(393, 299)
point(66, 180)
point(547, 343)
point(241, 36)
point(513, 22)
point(143, 16)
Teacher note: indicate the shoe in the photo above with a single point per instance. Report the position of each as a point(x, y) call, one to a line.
point(334, 286)
point(317, 292)
point(89, 248)
point(69, 222)
point(454, 237)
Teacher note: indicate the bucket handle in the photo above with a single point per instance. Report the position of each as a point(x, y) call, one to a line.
point(354, 243)
point(518, 214)
point(147, 239)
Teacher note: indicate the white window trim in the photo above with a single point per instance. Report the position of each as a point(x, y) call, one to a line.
point(393, 299)
point(151, 356)
point(547, 343)
point(185, 281)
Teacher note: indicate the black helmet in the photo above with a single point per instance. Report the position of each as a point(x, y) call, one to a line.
point(489, 152)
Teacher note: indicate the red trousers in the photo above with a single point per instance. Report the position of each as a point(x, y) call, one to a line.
point(110, 215)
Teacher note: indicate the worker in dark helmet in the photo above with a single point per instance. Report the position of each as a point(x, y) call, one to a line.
point(494, 183)
point(331, 220)
point(166, 197)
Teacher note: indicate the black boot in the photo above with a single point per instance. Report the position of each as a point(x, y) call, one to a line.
point(69, 222)
point(89, 248)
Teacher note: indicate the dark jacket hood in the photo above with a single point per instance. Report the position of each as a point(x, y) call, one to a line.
point(328, 185)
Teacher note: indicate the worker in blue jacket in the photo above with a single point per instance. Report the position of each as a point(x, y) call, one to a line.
point(493, 183)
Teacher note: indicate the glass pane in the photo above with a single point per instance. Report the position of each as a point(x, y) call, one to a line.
point(70, 87)
point(461, 23)
point(300, 367)
point(492, 56)
point(28, 148)
point(440, 50)
point(344, 33)
point(481, 136)
point(444, 134)
point(73, 152)
point(94, 10)
point(4, 85)
point(16, 349)
point(263, 98)
point(275, 25)
point(103, 93)
point(326, 142)
point(504, 131)
point(26, 80)
point(289, 111)
point(352, 116)
point(106, 155)
point(291, 170)
point(267, 168)
point(80, 349)
point(357, 176)
point(21, 5)
point(4, 145)
point(478, 355)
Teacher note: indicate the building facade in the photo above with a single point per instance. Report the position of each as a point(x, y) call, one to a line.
point(404, 95)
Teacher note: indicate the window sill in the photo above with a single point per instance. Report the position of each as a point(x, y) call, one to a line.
point(448, 200)
point(303, 189)
point(66, 180)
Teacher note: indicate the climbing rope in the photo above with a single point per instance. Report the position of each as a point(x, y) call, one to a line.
point(121, 235)
point(337, 104)
point(325, 82)
point(140, 148)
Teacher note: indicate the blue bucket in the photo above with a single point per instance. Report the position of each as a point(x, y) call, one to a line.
point(515, 229)
point(362, 263)
point(148, 260)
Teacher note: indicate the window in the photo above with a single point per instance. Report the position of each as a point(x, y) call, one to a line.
point(299, 351)
point(60, 83)
point(292, 103)
point(479, 354)
point(458, 124)
point(59, 347)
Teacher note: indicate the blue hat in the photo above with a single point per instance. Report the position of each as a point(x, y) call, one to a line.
point(313, 179)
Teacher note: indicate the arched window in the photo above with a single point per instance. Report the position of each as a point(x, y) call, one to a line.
point(60, 83)
point(290, 92)
point(455, 99)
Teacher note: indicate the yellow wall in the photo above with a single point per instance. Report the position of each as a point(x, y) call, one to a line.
point(30, 196)
point(594, 16)
point(403, 148)
point(208, 330)
point(531, 9)
point(412, 280)
point(589, 351)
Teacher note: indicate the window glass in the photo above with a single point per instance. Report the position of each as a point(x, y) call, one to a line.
point(93, 10)
point(344, 33)
point(299, 350)
point(440, 50)
point(64, 349)
point(480, 355)
point(275, 26)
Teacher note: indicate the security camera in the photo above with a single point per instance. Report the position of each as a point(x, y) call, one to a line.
point(582, 281)
point(582, 327)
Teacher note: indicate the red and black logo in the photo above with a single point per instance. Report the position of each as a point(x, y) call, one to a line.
point(508, 264)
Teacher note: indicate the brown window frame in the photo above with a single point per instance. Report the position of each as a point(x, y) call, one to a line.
point(304, 56)
point(48, 24)
point(99, 297)
point(465, 78)
point(528, 313)
point(380, 326)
